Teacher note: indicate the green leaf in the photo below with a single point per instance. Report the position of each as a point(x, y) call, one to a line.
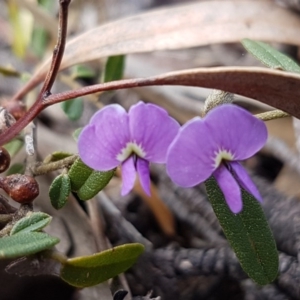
point(73, 108)
point(114, 68)
point(90, 270)
point(76, 133)
point(39, 41)
point(25, 244)
point(56, 156)
point(9, 71)
point(82, 71)
point(16, 169)
point(248, 234)
point(270, 56)
point(34, 222)
point(87, 182)
point(60, 190)
point(14, 146)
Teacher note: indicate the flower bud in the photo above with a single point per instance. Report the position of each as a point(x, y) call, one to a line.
point(4, 159)
point(21, 188)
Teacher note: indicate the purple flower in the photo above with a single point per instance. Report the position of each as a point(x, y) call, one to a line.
point(214, 146)
point(132, 139)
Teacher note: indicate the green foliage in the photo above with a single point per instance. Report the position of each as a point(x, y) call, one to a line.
point(114, 68)
point(82, 71)
point(73, 108)
point(76, 133)
point(248, 234)
point(87, 182)
point(270, 56)
point(33, 222)
point(23, 244)
point(9, 72)
point(59, 191)
point(16, 169)
point(14, 146)
point(56, 156)
point(90, 270)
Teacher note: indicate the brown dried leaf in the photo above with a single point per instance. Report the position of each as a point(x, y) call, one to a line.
point(196, 24)
point(185, 26)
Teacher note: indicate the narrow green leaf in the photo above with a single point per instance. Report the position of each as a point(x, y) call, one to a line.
point(21, 27)
point(25, 244)
point(56, 156)
point(82, 71)
point(9, 71)
point(73, 108)
point(248, 234)
point(34, 222)
point(76, 133)
point(39, 41)
point(16, 169)
point(114, 68)
point(60, 190)
point(270, 56)
point(90, 270)
point(87, 182)
point(14, 146)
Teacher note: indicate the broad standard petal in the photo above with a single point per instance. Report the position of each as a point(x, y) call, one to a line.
point(152, 129)
point(104, 137)
point(236, 130)
point(142, 168)
point(244, 180)
point(190, 158)
point(128, 175)
point(230, 188)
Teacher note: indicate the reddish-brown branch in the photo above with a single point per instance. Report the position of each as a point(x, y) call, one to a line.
point(38, 106)
point(113, 85)
point(58, 50)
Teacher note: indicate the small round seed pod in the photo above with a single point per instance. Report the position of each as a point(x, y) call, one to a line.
point(4, 159)
point(21, 188)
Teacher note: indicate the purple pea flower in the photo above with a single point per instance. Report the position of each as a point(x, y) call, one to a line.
point(114, 137)
point(214, 146)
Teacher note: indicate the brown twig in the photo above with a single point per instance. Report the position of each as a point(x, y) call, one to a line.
point(58, 50)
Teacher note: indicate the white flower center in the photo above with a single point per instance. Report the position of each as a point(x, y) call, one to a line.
point(222, 155)
point(129, 149)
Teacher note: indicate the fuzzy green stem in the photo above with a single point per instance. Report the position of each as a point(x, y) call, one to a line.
point(54, 166)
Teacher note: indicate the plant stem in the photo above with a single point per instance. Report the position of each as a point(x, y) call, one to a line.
point(53, 166)
point(58, 51)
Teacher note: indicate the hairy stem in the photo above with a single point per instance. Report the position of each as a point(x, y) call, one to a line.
point(53, 166)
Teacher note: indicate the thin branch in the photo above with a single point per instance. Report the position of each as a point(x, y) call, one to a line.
point(58, 51)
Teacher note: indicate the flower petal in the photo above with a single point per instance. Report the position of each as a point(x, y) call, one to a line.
point(128, 175)
point(103, 139)
point(230, 188)
point(190, 156)
point(245, 181)
point(142, 167)
point(153, 129)
point(236, 130)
